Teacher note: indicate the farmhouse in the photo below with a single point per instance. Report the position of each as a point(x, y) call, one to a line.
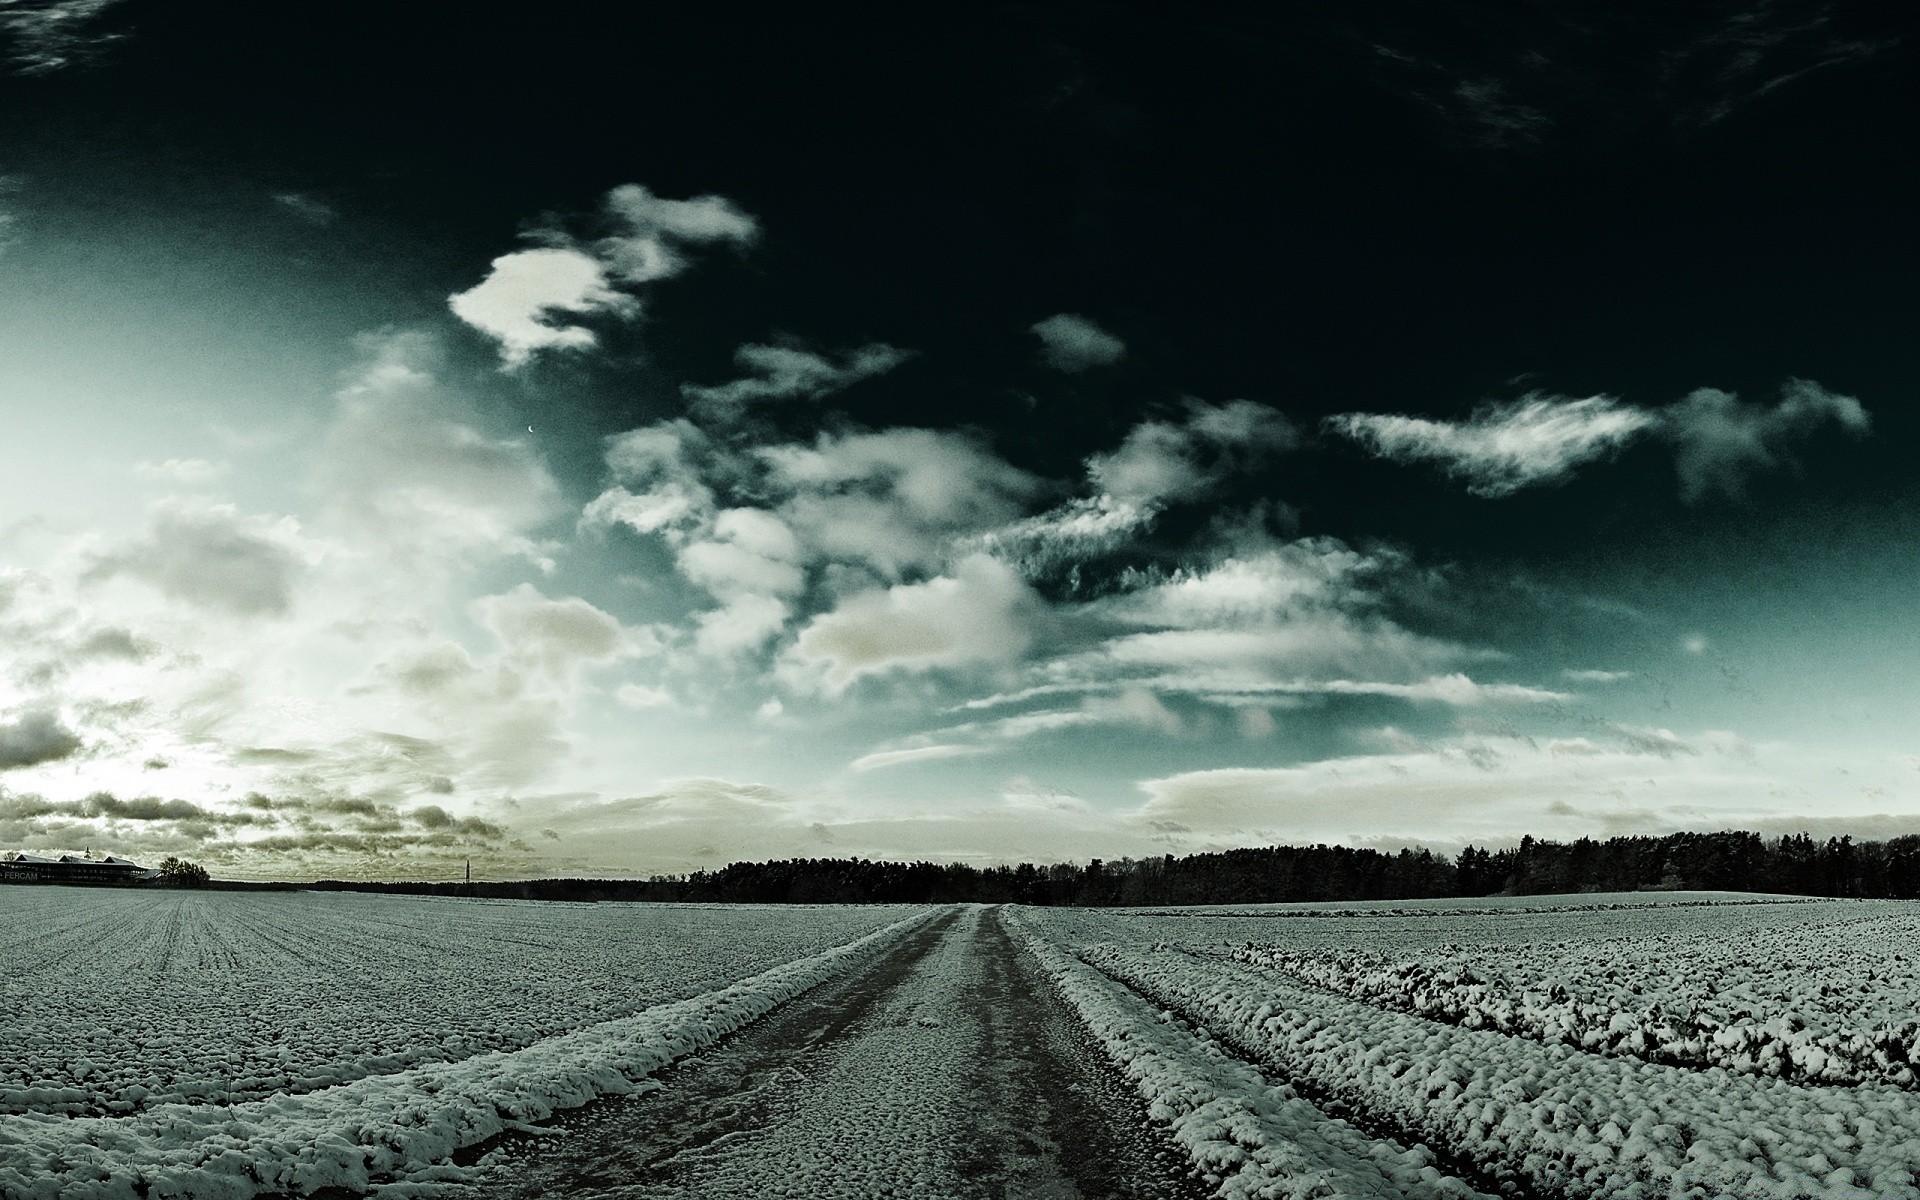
point(21, 867)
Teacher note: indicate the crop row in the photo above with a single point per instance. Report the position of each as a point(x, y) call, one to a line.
point(114, 1002)
point(1547, 1119)
point(1826, 1003)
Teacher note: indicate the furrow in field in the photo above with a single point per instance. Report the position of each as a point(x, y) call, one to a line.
point(1548, 1119)
point(1250, 1137)
point(387, 1126)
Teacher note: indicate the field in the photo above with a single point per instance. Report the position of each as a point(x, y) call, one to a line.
point(240, 1044)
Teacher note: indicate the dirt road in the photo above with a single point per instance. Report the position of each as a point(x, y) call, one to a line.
point(945, 1069)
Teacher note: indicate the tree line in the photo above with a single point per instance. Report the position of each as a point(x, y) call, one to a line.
point(1731, 861)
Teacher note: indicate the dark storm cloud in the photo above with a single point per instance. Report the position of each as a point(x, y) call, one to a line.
point(37, 737)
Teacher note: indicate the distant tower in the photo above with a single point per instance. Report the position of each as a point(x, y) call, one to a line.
point(469, 870)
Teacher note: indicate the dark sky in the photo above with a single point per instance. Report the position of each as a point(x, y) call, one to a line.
point(1362, 211)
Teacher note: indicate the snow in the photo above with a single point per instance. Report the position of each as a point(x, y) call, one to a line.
point(1549, 1119)
point(114, 1002)
point(399, 1126)
point(1248, 1137)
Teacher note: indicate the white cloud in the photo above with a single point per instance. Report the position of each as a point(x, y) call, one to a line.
point(185, 472)
point(555, 636)
point(981, 613)
point(741, 625)
point(525, 293)
point(1591, 676)
point(638, 695)
point(405, 463)
point(783, 372)
point(654, 231)
point(894, 758)
point(1163, 462)
point(1502, 448)
point(1070, 342)
point(215, 557)
point(1476, 787)
point(1719, 441)
point(896, 499)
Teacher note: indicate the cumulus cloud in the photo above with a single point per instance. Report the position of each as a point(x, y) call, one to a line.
point(654, 232)
point(215, 557)
point(896, 499)
point(36, 737)
point(1719, 441)
point(981, 613)
point(1502, 448)
point(553, 636)
point(785, 372)
point(1162, 462)
point(1071, 342)
point(528, 296)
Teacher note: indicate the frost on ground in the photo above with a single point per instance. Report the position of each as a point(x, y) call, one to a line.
point(1830, 1002)
point(946, 1071)
point(1250, 1138)
point(402, 1125)
point(116, 1001)
point(1549, 1119)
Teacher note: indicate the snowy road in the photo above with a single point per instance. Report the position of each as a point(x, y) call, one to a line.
point(947, 1068)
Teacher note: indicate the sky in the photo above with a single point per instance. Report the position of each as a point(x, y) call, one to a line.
point(616, 440)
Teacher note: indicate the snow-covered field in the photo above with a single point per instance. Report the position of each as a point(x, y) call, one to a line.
point(211, 1044)
point(1595, 1047)
point(1673, 1045)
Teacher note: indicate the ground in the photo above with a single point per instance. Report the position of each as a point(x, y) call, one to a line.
point(946, 1067)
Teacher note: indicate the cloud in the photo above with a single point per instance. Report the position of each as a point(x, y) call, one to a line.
point(307, 208)
point(897, 499)
point(783, 372)
point(1502, 448)
point(48, 35)
point(981, 613)
point(406, 463)
point(215, 557)
point(654, 231)
point(1162, 462)
point(34, 738)
point(917, 754)
point(188, 472)
point(1070, 342)
point(525, 293)
point(1590, 676)
point(553, 636)
point(1719, 441)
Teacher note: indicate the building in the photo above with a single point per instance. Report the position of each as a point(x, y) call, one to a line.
point(21, 867)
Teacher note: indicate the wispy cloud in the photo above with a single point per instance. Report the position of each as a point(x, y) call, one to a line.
point(787, 372)
point(48, 35)
point(1504, 447)
point(1718, 441)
